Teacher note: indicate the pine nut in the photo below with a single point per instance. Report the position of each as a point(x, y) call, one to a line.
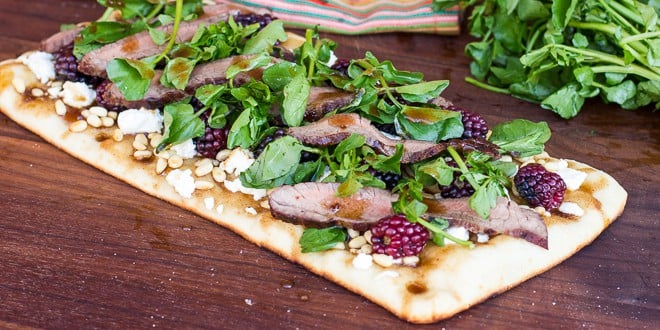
point(84, 113)
point(99, 111)
point(383, 260)
point(142, 154)
point(357, 242)
point(161, 165)
point(60, 108)
point(94, 121)
point(19, 85)
point(204, 185)
point(175, 161)
point(112, 114)
point(204, 168)
point(142, 139)
point(155, 139)
point(366, 249)
point(117, 135)
point(219, 175)
point(107, 121)
point(352, 233)
point(368, 235)
point(411, 260)
point(36, 92)
point(78, 126)
point(222, 154)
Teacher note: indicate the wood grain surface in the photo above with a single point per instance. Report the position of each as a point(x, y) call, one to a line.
point(79, 249)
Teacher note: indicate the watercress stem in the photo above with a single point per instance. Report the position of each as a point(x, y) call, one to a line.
point(438, 231)
point(461, 165)
point(175, 30)
point(486, 86)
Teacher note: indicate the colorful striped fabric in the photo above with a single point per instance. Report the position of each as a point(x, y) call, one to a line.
point(361, 16)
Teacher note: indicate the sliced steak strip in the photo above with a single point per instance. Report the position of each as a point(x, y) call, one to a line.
point(334, 129)
point(506, 217)
point(207, 73)
point(60, 39)
point(323, 100)
point(315, 204)
point(140, 45)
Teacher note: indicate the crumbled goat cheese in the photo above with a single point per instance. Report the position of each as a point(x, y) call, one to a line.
point(482, 238)
point(362, 261)
point(332, 60)
point(182, 181)
point(387, 273)
point(133, 121)
point(236, 185)
point(459, 232)
point(251, 210)
point(572, 178)
point(185, 149)
point(571, 208)
point(77, 94)
point(41, 64)
point(238, 161)
point(556, 165)
point(209, 202)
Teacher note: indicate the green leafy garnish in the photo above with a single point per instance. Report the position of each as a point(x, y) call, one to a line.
point(316, 240)
point(560, 53)
point(521, 137)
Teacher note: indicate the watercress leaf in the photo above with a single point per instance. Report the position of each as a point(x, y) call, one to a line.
point(620, 93)
point(580, 40)
point(207, 94)
point(181, 124)
point(353, 142)
point(562, 11)
point(584, 75)
point(264, 40)
point(422, 92)
point(177, 72)
point(239, 133)
point(653, 55)
point(349, 187)
point(429, 124)
point(532, 10)
point(294, 103)
point(132, 77)
point(483, 200)
point(566, 101)
point(247, 64)
point(521, 137)
point(389, 163)
point(278, 75)
point(316, 240)
point(276, 165)
point(437, 169)
point(159, 37)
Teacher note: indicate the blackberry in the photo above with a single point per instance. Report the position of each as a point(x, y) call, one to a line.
point(397, 237)
point(539, 187)
point(249, 19)
point(387, 128)
point(213, 140)
point(100, 90)
point(280, 132)
point(458, 188)
point(391, 179)
point(66, 67)
point(341, 65)
point(474, 125)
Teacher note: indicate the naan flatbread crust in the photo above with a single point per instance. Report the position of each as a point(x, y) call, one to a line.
point(447, 280)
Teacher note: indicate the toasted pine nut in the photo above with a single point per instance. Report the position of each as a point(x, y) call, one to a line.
point(204, 168)
point(78, 126)
point(357, 242)
point(204, 185)
point(19, 85)
point(99, 111)
point(36, 92)
point(142, 154)
point(118, 135)
point(94, 120)
point(219, 175)
point(383, 259)
point(161, 165)
point(107, 121)
point(60, 108)
point(175, 161)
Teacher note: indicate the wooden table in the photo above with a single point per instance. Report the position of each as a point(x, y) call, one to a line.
point(79, 249)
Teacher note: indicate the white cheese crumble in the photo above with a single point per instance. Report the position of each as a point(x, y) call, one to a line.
point(556, 165)
point(362, 261)
point(386, 273)
point(571, 208)
point(182, 181)
point(572, 178)
point(238, 161)
point(459, 232)
point(236, 185)
point(209, 202)
point(133, 121)
point(185, 149)
point(77, 94)
point(41, 64)
point(482, 238)
point(251, 210)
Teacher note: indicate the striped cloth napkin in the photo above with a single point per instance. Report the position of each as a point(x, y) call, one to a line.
point(361, 16)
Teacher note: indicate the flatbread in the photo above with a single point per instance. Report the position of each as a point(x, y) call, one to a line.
point(448, 279)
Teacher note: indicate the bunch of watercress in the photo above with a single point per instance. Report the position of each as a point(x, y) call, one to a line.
point(560, 53)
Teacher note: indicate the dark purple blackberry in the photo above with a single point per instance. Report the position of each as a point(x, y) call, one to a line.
point(341, 65)
point(249, 19)
point(100, 100)
point(280, 132)
point(474, 125)
point(540, 187)
point(387, 128)
point(213, 140)
point(397, 237)
point(391, 179)
point(458, 188)
point(66, 67)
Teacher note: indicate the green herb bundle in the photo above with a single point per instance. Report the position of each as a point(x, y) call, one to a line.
point(560, 53)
